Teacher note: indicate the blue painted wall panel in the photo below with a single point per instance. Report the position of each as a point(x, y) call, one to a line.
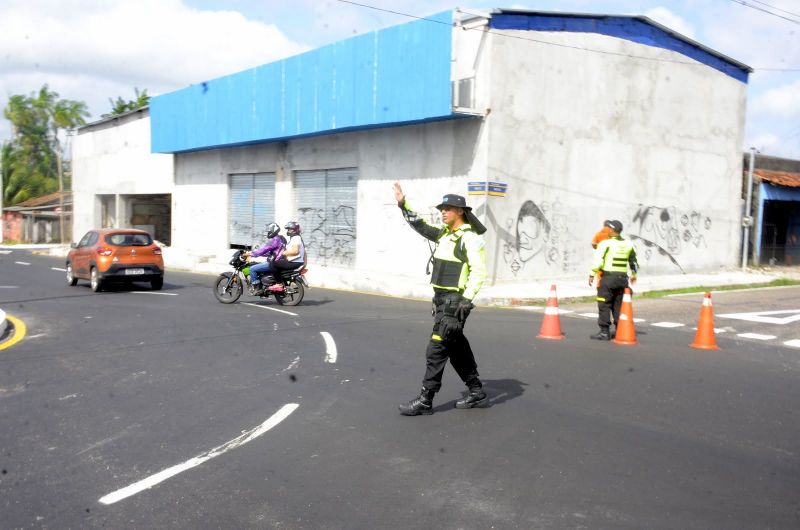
point(396, 75)
point(621, 27)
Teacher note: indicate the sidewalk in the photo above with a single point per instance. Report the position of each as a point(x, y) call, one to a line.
point(535, 293)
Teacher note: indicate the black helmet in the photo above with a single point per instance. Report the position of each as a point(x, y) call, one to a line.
point(293, 228)
point(273, 230)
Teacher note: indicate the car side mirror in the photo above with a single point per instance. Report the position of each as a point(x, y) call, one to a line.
point(73, 245)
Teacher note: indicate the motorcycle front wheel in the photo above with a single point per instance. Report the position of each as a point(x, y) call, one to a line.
point(228, 288)
point(292, 295)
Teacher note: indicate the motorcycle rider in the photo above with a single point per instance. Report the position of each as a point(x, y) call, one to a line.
point(272, 249)
point(293, 256)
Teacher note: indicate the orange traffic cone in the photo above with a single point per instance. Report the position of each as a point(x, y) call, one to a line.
point(551, 325)
point(705, 339)
point(625, 332)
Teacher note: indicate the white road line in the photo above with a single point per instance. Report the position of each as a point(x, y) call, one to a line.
point(794, 343)
point(271, 309)
point(161, 476)
point(330, 347)
point(667, 324)
point(153, 292)
point(6, 251)
point(9, 287)
point(58, 269)
point(22, 263)
point(590, 315)
point(757, 336)
point(767, 317)
point(293, 364)
point(637, 320)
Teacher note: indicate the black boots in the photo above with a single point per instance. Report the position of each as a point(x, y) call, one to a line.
point(475, 398)
point(601, 335)
point(419, 405)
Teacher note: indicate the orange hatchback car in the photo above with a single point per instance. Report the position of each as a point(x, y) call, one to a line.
point(115, 255)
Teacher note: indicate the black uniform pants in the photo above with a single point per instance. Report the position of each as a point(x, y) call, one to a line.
point(456, 348)
point(609, 297)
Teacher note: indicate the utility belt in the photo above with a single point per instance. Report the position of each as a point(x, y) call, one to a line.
point(445, 301)
point(613, 273)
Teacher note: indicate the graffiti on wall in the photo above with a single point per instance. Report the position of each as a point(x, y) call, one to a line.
point(330, 234)
point(668, 232)
point(539, 232)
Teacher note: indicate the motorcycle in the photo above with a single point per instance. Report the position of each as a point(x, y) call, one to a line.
point(230, 286)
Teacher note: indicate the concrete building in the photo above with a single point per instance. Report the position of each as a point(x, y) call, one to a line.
point(578, 118)
point(118, 181)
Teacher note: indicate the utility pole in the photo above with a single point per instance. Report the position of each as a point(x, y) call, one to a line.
point(747, 220)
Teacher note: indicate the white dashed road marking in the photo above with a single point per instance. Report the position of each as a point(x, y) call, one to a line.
point(271, 309)
point(9, 287)
point(161, 476)
point(6, 251)
point(330, 347)
point(153, 292)
point(58, 269)
point(792, 343)
point(757, 336)
point(589, 315)
point(667, 324)
point(22, 263)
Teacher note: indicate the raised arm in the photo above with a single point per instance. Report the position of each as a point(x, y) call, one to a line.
point(415, 221)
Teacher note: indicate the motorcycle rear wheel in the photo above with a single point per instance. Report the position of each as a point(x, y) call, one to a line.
point(292, 295)
point(225, 294)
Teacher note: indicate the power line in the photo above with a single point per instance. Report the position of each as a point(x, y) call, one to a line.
point(548, 43)
point(751, 6)
point(776, 8)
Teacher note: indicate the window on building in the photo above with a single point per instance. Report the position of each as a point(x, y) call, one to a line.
point(325, 202)
point(251, 208)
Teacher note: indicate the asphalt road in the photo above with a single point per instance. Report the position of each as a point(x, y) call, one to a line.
point(113, 392)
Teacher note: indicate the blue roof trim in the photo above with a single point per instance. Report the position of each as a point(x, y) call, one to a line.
point(397, 75)
point(629, 28)
point(771, 192)
point(357, 128)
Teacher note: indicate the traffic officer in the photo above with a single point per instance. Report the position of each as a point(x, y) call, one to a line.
point(612, 258)
point(459, 270)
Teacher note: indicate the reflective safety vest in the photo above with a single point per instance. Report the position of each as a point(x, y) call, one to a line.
point(459, 260)
point(615, 255)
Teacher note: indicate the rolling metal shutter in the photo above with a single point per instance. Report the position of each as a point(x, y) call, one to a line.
point(252, 207)
point(325, 202)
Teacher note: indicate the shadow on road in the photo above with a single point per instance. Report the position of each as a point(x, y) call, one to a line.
point(498, 390)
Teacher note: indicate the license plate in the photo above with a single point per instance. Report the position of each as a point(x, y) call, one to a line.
point(131, 272)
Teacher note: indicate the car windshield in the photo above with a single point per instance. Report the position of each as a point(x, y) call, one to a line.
point(129, 240)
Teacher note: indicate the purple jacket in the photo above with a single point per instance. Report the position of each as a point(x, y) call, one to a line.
point(275, 246)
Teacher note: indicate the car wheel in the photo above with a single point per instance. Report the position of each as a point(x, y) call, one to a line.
point(157, 283)
point(71, 279)
point(95, 281)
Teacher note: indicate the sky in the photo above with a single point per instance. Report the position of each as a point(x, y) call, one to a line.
point(97, 50)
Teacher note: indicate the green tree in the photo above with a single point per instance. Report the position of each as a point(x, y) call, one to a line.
point(31, 160)
point(120, 106)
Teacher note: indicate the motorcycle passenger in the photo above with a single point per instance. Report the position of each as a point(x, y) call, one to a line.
point(293, 256)
point(272, 249)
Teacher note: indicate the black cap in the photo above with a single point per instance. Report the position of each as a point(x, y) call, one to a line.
point(615, 225)
point(456, 201)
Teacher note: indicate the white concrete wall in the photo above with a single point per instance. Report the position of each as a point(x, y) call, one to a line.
point(590, 136)
point(114, 158)
point(429, 160)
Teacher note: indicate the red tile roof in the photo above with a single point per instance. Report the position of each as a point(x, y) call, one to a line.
point(52, 198)
point(779, 178)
